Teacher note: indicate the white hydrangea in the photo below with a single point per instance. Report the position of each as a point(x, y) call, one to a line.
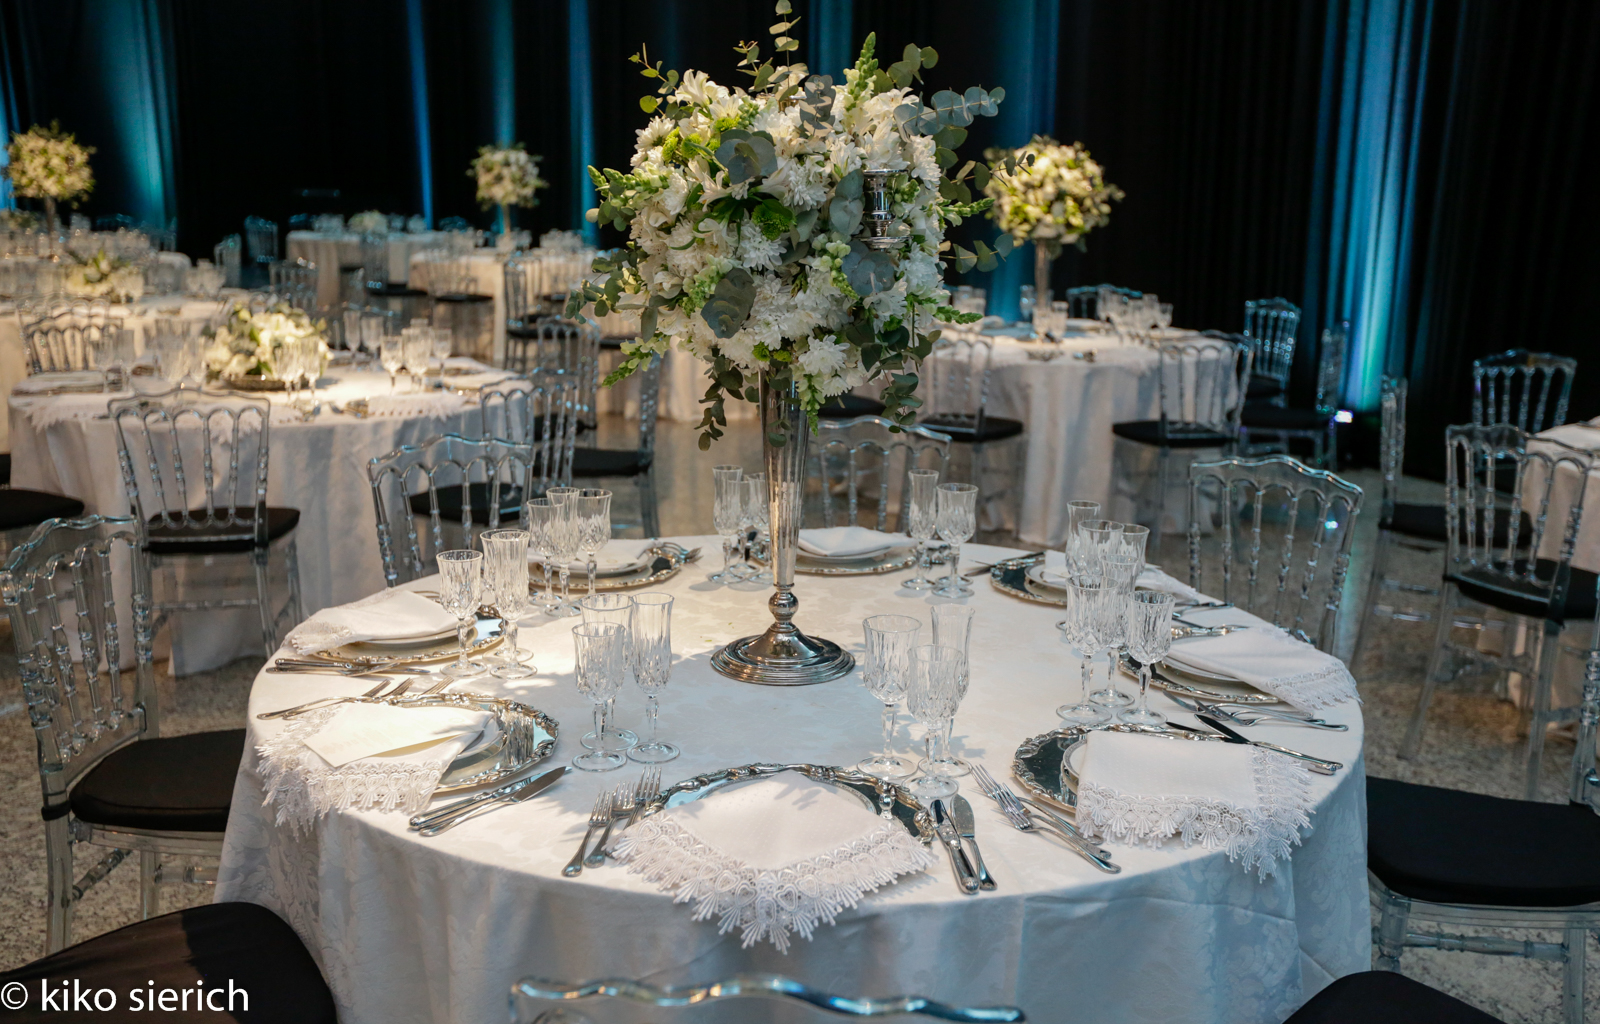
point(1056, 195)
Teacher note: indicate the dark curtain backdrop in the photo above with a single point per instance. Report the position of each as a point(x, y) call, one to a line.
point(1221, 119)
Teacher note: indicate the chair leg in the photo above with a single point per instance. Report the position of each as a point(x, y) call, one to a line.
point(649, 513)
point(1374, 588)
point(1161, 499)
point(149, 875)
point(1577, 949)
point(269, 625)
point(1393, 918)
point(58, 856)
point(291, 556)
point(1539, 711)
point(1430, 678)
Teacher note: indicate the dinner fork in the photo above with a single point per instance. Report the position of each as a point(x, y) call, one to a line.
point(398, 691)
point(621, 807)
point(1250, 714)
point(1000, 793)
point(648, 789)
point(320, 702)
point(599, 816)
point(1022, 820)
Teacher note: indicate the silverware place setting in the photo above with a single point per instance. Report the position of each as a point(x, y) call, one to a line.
point(451, 815)
point(1253, 714)
point(625, 802)
point(1021, 817)
point(1321, 766)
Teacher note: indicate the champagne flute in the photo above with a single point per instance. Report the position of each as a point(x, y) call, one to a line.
point(886, 671)
point(752, 494)
point(542, 517)
point(618, 610)
point(594, 525)
point(506, 564)
point(1086, 595)
point(460, 593)
point(392, 355)
point(1119, 569)
point(651, 634)
point(760, 509)
point(418, 349)
point(726, 509)
point(600, 649)
point(564, 541)
point(922, 519)
point(957, 522)
point(1149, 631)
point(933, 694)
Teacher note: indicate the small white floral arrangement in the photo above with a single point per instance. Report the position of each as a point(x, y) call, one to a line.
point(747, 230)
point(507, 176)
point(249, 343)
point(48, 163)
point(1051, 195)
point(562, 241)
point(19, 220)
point(370, 222)
point(100, 275)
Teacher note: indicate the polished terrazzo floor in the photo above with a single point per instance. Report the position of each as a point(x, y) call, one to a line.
point(1474, 742)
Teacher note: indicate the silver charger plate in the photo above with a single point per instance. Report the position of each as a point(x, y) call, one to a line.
point(1010, 576)
point(1038, 761)
point(663, 566)
point(893, 560)
point(874, 792)
point(524, 737)
point(488, 633)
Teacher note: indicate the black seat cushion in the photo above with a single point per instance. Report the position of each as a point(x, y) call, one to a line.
point(450, 502)
point(5, 469)
point(218, 538)
point(1445, 846)
point(1179, 435)
point(1261, 388)
point(1518, 598)
point(30, 508)
point(964, 429)
point(222, 944)
point(1263, 416)
point(1383, 997)
point(172, 784)
point(396, 291)
point(597, 462)
point(848, 406)
point(1427, 522)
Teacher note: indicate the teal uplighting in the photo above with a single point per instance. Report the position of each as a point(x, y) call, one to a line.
point(580, 99)
point(832, 39)
point(503, 71)
point(133, 59)
point(419, 104)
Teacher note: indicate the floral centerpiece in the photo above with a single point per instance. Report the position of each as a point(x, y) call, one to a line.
point(253, 343)
point(1051, 195)
point(370, 222)
point(507, 176)
point(49, 164)
point(791, 234)
point(99, 275)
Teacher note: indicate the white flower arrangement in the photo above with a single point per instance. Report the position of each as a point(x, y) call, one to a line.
point(103, 276)
point(747, 240)
point(1051, 194)
point(507, 176)
point(370, 222)
point(47, 163)
point(249, 343)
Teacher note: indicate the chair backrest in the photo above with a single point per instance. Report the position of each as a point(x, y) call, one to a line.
point(1391, 442)
point(1270, 326)
point(69, 340)
point(1330, 366)
point(261, 237)
point(541, 412)
point(1278, 522)
point(1202, 383)
point(867, 463)
point(296, 283)
point(196, 462)
point(74, 620)
point(1513, 504)
point(375, 260)
point(1520, 387)
point(450, 464)
point(225, 254)
point(564, 348)
point(521, 305)
point(955, 380)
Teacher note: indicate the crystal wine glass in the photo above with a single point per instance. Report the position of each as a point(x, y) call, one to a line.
point(460, 593)
point(506, 565)
point(440, 341)
point(542, 516)
point(952, 628)
point(1119, 569)
point(726, 509)
point(922, 520)
point(1076, 547)
point(594, 526)
point(886, 670)
point(752, 495)
point(601, 651)
point(1134, 540)
point(1099, 536)
point(392, 354)
point(1149, 632)
point(957, 522)
point(418, 350)
point(933, 694)
point(651, 635)
point(1086, 594)
point(758, 504)
point(616, 609)
point(564, 543)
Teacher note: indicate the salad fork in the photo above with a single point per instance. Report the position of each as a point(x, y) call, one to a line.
point(621, 807)
point(599, 816)
point(648, 789)
point(322, 702)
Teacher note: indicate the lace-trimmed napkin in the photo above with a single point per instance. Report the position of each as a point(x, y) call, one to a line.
point(772, 856)
point(1249, 802)
point(846, 541)
point(1150, 579)
point(435, 403)
point(386, 615)
point(363, 756)
point(1272, 661)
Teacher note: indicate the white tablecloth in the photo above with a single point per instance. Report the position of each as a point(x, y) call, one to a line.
point(330, 252)
point(318, 467)
point(412, 929)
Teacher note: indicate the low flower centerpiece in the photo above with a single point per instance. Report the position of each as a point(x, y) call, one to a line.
point(249, 348)
point(791, 234)
point(101, 276)
point(49, 164)
point(507, 176)
point(370, 222)
point(1049, 194)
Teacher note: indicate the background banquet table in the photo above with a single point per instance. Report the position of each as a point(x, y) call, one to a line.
point(332, 251)
point(318, 466)
point(407, 928)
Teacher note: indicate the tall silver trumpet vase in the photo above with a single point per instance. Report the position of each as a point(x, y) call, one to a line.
point(783, 656)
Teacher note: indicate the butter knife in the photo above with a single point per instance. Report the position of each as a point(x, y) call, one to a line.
point(952, 846)
point(1316, 764)
point(533, 787)
point(961, 812)
point(449, 811)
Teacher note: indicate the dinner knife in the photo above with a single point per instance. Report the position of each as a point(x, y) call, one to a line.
point(952, 846)
point(961, 812)
point(515, 797)
point(1316, 764)
point(517, 789)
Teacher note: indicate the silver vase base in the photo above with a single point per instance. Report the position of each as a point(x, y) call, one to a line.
point(783, 658)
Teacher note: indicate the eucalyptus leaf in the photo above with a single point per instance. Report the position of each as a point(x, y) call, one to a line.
point(980, 176)
point(1004, 244)
point(804, 224)
point(930, 56)
point(868, 270)
point(844, 215)
point(945, 158)
point(729, 305)
point(648, 104)
point(849, 186)
point(950, 138)
point(952, 108)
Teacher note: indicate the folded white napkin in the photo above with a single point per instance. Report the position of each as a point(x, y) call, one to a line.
point(364, 757)
point(386, 615)
point(1249, 802)
point(771, 856)
point(1272, 661)
point(432, 403)
point(41, 383)
point(1150, 579)
point(617, 554)
point(466, 364)
point(847, 541)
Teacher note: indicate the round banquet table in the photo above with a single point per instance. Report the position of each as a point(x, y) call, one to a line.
point(413, 929)
point(66, 445)
point(331, 252)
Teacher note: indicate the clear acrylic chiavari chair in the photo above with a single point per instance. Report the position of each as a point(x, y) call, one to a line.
point(261, 239)
point(472, 484)
point(78, 594)
point(1270, 326)
point(1284, 533)
point(1528, 390)
point(560, 348)
point(958, 377)
point(864, 468)
point(1318, 424)
point(295, 283)
point(637, 464)
point(542, 412)
point(69, 340)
